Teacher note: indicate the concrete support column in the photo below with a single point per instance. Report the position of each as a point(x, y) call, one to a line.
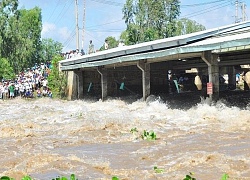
point(104, 82)
point(80, 79)
point(231, 78)
point(213, 73)
point(72, 85)
point(145, 68)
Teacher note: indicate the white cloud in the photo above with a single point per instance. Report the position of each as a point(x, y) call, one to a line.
point(48, 28)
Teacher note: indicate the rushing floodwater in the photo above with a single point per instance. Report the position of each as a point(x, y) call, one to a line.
point(45, 138)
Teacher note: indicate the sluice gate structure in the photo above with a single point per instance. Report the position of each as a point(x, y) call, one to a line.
point(152, 67)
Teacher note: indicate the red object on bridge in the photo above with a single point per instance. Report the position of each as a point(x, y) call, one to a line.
point(209, 88)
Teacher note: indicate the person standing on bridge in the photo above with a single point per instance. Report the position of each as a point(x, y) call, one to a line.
point(91, 47)
point(106, 45)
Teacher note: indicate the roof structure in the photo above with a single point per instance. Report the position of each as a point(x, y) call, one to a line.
point(227, 38)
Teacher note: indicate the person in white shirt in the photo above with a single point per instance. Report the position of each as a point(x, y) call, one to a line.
point(106, 45)
point(21, 90)
point(1, 91)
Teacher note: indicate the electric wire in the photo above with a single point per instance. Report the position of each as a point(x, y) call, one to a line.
point(203, 11)
point(63, 12)
point(93, 28)
point(107, 2)
point(57, 4)
point(201, 4)
point(69, 40)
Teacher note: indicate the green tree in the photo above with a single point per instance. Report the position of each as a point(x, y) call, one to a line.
point(57, 80)
point(50, 48)
point(186, 26)
point(20, 34)
point(8, 11)
point(112, 42)
point(28, 35)
point(149, 20)
point(6, 71)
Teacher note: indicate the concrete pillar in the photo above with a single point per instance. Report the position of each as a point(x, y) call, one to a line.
point(80, 79)
point(213, 73)
point(71, 85)
point(231, 78)
point(247, 81)
point(145, 68)
point(104, 82)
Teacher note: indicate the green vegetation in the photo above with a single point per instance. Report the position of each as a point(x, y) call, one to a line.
point(189, 176)
point(20, 35)
point(20, 39)
point(158, 170)
point(149, 20)
point(134, 130)
point(115, 178)
point(112, 42)
point(186, 26)
point(57, 79)
point(72, 177)
point(6, 71)
point(148, 135)
point(225, 177)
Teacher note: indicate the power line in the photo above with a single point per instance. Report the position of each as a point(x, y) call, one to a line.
point(201, 4)
point(63, 12)
point(105, 23)
point(69, 40)
point(107, 2)
point(57, 4)
point(203, 11)
point(107, 30)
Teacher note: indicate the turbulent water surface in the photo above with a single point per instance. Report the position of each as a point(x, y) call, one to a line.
point(46, 138)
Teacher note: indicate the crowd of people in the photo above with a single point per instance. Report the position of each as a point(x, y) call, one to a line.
point(28, 84)
point(91, 50)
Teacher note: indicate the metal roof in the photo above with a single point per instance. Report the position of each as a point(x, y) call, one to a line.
point(231, 36)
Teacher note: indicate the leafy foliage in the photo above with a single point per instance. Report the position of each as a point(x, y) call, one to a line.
point(225, 177)
point(6, 71)
point(134, 130)
point(186, 26)
point(50, 48)
point(149, 20)
point(72, 177)
point(158, 170)
point(148, 135)
point(57, 80)
point(189, 176)
point(112, 42)
point(20, 35)
point(115, 178)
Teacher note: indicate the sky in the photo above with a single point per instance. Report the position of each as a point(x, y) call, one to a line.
point(103, 18)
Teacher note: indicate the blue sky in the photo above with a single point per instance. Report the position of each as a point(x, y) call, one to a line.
point(104, 18)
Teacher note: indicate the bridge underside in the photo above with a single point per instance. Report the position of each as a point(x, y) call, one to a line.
point(124, 79)
point(157, 67)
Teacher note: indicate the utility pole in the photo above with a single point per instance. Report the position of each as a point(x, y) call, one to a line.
point(83, 23)
point(243, 9)
point(77, 26)
point(236, 11)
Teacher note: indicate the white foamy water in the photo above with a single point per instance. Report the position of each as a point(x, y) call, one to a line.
point(47, 138)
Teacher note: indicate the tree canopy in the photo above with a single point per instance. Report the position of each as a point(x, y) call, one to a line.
point(49, 49)
point(186, 26)
point(112, 42)
point(20, 34)
point(149, 20)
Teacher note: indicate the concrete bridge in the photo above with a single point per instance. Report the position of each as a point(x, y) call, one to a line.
point(150, 67)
